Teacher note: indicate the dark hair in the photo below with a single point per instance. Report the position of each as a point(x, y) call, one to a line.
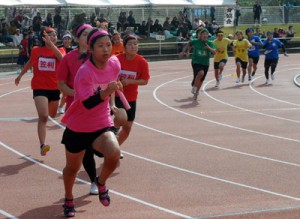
point(127, 38)
point(91, 41)
point(47, 30)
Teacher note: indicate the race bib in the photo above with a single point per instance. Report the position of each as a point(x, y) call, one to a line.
point(127, 75)
point(46, 64)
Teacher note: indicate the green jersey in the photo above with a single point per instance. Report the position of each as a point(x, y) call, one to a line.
point(200, 54)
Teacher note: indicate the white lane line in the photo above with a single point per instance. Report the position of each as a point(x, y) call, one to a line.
point(88, 183)
point(243, 213)
point(214, 178)
point(212, 121)
point(6, 214)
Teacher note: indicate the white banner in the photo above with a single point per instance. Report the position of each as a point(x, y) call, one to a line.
point(229, 17)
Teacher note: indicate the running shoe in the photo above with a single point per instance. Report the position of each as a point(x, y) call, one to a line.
point(196, 95)
point(94, 189)
point(253, 73)
point(267, 82)
point(121, 155)
point(217, 83)
point(220, 76)
point(61, 110)
point(69, 210)
point(249, 78)
point(273, 77)
point(103, 193)
point(194, 90)
point(237, 80)
point(44, 149)
point(243, 79)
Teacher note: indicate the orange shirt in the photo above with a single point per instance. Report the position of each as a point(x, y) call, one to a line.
point(45, 64)
point(133, 69)
point(117, 49)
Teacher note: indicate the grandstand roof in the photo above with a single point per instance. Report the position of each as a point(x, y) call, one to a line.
point(118, 2)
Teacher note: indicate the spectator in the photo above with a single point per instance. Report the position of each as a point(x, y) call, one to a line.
point(17, 38)
point(174, 23)
point(37, 23)
point(256, 12)
point(237, 13)
point(57, 20)
point(167, 24)
point(157, 27)
point(131, 20)
point(117, 44)
point(23, 53)
point(48, 21)
point(93, 19)
point(122, 20)
point(143, 29)
point(196, 23)
point(182, 36)
point(212, 13)
point(290, 33)
point(276, 33)
point(287, 6)
point(30, 42)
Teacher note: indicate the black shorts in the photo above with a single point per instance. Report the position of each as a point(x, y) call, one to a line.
point(22, 59)
point(269, 62)
point(255, 59)
point(78, 141)
point(130, 112)
point(52, 95)
point(199, 67)
point(243, 64)
point(216, 64)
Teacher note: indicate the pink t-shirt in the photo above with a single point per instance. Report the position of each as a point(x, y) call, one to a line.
point(87, 82)
point(68, 69)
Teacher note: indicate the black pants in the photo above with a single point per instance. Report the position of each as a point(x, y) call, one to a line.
point(270, 63)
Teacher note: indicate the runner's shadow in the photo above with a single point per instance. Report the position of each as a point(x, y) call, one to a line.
point(190, 102)
point(55, 210)
point(238, 86)
point(15, 168)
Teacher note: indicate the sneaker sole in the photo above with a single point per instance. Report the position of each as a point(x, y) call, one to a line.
point(45, 149)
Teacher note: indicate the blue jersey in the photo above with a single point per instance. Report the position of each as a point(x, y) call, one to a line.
point(271, 49)
point(254, 49)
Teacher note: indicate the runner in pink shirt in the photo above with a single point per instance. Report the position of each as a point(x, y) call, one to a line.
point(88, 120)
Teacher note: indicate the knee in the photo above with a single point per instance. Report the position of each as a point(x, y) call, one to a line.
point(43, 118)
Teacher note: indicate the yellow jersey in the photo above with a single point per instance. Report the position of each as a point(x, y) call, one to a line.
point(241, 49)
point(221, 47)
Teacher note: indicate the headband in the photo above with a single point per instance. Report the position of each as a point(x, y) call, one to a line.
point(96, 34)
point(82, 27)
point(49, 30)
point(67, 35)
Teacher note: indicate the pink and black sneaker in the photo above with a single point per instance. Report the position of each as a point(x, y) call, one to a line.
point(103, 193)
point(69, 210)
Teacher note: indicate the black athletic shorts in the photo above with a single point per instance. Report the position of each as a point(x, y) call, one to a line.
point(52, 95)
point(243, 64)
point(255, 59)
point(131, 112)
point(78, 141)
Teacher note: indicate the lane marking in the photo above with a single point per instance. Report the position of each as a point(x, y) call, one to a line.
point(88, 183)
point(8, 215)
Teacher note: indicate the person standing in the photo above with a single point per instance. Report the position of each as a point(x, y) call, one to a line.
point(221, 56)
point(202, 48)
point(271, 45)
point(23, 52)
point(253, 52)
point(256, 12)
point(241, 46)
point(237, 14)
point(88, 120)
point(45, 61)
point(134, 73)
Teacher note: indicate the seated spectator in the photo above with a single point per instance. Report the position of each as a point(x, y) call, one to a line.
point(157, 27)
point(290, 33)
point(122, 20)
point(174, 23)
point(131, 21)
point(196, 23)
point(167, 24)
point(275, 33)
point(48, 21)
point(182, 35)
point(17, 38)
point(143, 29)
